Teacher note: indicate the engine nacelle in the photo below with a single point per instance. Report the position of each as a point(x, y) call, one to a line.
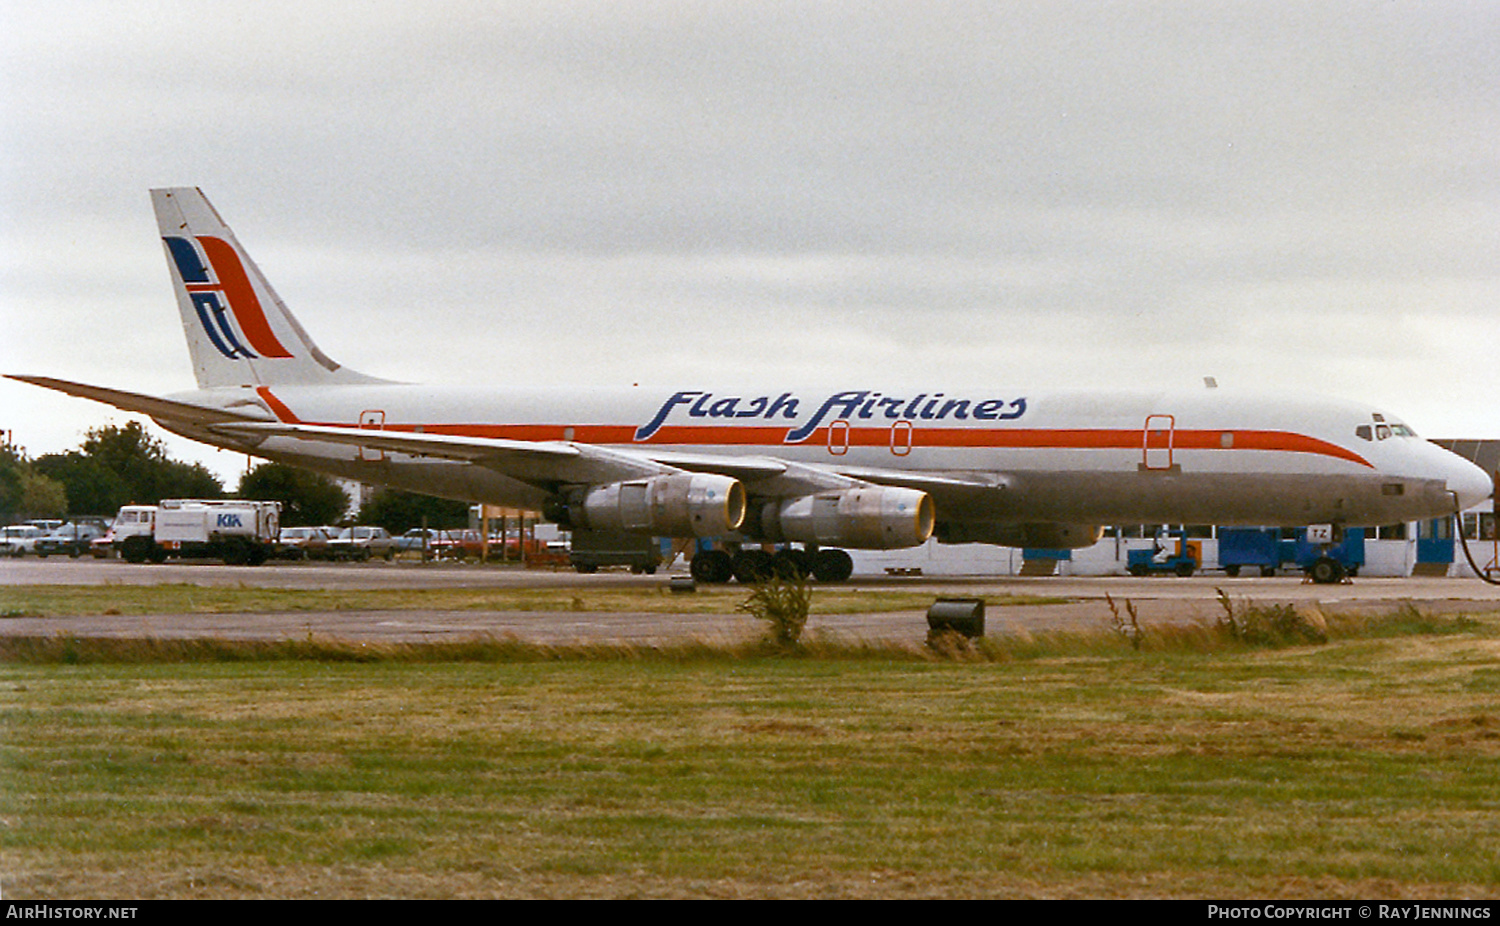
point(1047, 536)
point(869, 518)
point(680, 505)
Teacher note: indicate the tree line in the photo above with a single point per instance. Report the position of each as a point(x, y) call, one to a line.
point(119, 465)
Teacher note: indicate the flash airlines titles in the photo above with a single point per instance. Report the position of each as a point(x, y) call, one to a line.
point(862, 405)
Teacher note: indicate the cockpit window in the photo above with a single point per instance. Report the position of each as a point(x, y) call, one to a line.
point(1382, 430)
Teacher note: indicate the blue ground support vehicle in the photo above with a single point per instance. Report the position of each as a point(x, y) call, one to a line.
point(1182, 559)
point(1250, 547)
point(1270, 548)
point(1327, 564)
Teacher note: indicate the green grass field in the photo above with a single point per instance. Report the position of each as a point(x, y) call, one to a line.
point(1067, 767)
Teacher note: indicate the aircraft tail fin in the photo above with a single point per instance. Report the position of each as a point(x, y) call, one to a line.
point(239, 332)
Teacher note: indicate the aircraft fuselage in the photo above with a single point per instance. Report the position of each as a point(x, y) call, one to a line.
point(1209, 456)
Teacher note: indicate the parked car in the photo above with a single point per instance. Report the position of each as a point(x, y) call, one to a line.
point(417, 538)
point(304, 542)
point(19, 539)
point(70, 539)
point(459, 544)
point(361, 543)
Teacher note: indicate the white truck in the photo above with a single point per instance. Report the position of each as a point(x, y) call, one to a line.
point(238, 532)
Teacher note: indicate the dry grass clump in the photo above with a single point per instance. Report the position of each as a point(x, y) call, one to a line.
point(1270, 625)
point(783, 603)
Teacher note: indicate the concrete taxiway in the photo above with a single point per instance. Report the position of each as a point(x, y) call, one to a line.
point(1156, 600)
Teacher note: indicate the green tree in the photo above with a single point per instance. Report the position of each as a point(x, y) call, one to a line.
point(90, 486)
point(142, 462)
point(307, 499)
point(399, 512)
point(10, 482)
point(121, 465)
point(42, 497)
point(26, 493)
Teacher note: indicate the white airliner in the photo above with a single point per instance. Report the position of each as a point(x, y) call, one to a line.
point(856, 468)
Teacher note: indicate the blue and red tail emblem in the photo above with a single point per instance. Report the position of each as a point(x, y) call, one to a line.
point(225, 292)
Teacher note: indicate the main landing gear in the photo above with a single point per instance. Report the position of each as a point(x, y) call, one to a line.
point(752, 564)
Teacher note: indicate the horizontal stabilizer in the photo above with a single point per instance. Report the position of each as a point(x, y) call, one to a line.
point(160, 409)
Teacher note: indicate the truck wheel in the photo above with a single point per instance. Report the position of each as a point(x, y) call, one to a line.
point(586, 569)
point(1232, 571)
point(1139, 571)
point(1326, 571)
point(135, 549)
point(1184, 570)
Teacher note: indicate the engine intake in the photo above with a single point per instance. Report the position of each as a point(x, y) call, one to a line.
point(869, 517)
point(679, 505)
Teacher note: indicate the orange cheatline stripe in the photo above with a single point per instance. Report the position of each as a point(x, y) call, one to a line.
point(278, 407)
point(771, 438)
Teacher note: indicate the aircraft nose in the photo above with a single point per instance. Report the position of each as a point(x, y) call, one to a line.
point(1469, 484)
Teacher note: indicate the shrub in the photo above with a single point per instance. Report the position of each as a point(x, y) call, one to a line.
point(782, 602)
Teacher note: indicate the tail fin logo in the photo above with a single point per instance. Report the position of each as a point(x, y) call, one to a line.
point(227, 292)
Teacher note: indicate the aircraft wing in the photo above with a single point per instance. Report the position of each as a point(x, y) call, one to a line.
point(755, 469)
point(938, 485)
point(549, 463)
point(774, 476)
point(541, 463)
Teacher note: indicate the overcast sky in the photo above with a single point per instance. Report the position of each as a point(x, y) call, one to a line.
point(1302, 195)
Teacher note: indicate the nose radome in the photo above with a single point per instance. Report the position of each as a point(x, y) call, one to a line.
point(1470, 484)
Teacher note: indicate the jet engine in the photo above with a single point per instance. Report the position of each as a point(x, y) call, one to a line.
point(679, 505)
point(869, 517)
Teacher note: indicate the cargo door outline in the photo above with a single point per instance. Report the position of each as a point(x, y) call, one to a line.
point(838, 437)
point(901, 438)
point(372, 419)
point(1157, 444)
